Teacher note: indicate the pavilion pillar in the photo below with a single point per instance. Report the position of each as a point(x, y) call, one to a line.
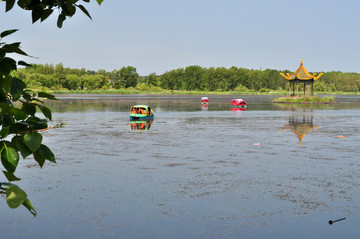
point(297, 88)
point(293, 88)
point(308, 87)
point(304, 88)
point(289, 88)
point(312, 87)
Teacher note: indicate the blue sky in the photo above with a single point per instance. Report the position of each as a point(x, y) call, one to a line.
point(161, 35)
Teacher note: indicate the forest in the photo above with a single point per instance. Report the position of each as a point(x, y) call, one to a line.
point(48, 77)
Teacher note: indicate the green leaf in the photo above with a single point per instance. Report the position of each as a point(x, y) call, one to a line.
point(13, 45)
point(14, 48)
point(7, 65)
point(36, 123)
point(8, 32)
point(4, 144)
point(46, 95)
point(46, 111)
point(33, 140)
point(24, 4)
point(71, 8)
point(46, 153)
point(46, 14)
point(9, 5)
point(60, 20)
point(19, 114)
point(27, 95)
point(82, 8)
point(15, 196)
point(7, 120)
point(23, 63)
point(2, 54)
point(10, 176)
point(36, 13)
point(18, 141)
point(18, 128)
point(17, 86)
point(29, 109)
point(39, 158)
point(29, 206)
point(99, 1)
point(9, 159)
point(6, 83)
point(4, 132)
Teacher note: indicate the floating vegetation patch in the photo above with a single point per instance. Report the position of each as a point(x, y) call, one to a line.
point(305, 100)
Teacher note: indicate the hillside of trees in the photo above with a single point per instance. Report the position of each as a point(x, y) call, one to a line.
point(192, 78)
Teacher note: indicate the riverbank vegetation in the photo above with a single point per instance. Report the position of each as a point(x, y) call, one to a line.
point(191, 80)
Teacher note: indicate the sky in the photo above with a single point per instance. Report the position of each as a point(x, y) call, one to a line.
point(156, 36)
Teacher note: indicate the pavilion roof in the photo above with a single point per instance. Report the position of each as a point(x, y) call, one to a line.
point(301, 74)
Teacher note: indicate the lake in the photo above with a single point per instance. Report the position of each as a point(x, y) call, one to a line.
point(195, 171)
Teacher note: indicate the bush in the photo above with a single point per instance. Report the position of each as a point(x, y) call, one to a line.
point(241, 88)
point(264, 90)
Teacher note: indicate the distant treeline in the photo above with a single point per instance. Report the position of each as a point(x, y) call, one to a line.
point(191, 78)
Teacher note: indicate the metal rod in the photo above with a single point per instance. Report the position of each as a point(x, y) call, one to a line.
point(331, 222)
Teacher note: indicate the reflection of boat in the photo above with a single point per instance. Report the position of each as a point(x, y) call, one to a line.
point(300, 126)
point(239, 103)
point(204, 107)
point(141, 112)
point(204, 100)
point(237, 109)
point(140, 124)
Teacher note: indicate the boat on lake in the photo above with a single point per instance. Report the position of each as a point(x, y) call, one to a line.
point(238, 103)
point(204, 100)
point(141, 112)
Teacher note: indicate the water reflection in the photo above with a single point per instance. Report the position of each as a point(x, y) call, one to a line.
point(301, 124)
point(237, 109)
point(121, 103)
point(204, 107)
point(140, 124)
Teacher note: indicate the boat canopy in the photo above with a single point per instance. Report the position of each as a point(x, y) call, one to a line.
point(141, 111)
point(238, 102)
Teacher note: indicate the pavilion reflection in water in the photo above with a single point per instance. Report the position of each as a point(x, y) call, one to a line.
point(300, 125)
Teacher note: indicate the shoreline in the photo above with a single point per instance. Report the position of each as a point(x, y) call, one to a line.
point(184, 92)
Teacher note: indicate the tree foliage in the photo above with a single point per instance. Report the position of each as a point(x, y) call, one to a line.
point(19, 124)
point(191, 78)
point(20, 121)
point(41, 10)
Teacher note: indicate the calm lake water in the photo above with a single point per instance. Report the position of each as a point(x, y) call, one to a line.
point(271, 171)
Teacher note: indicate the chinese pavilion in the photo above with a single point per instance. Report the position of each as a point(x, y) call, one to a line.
point(301, 75)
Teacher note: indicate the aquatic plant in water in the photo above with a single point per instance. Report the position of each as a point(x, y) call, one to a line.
point(305, 100)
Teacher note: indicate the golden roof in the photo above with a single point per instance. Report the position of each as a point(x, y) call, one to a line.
point(301, 74)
